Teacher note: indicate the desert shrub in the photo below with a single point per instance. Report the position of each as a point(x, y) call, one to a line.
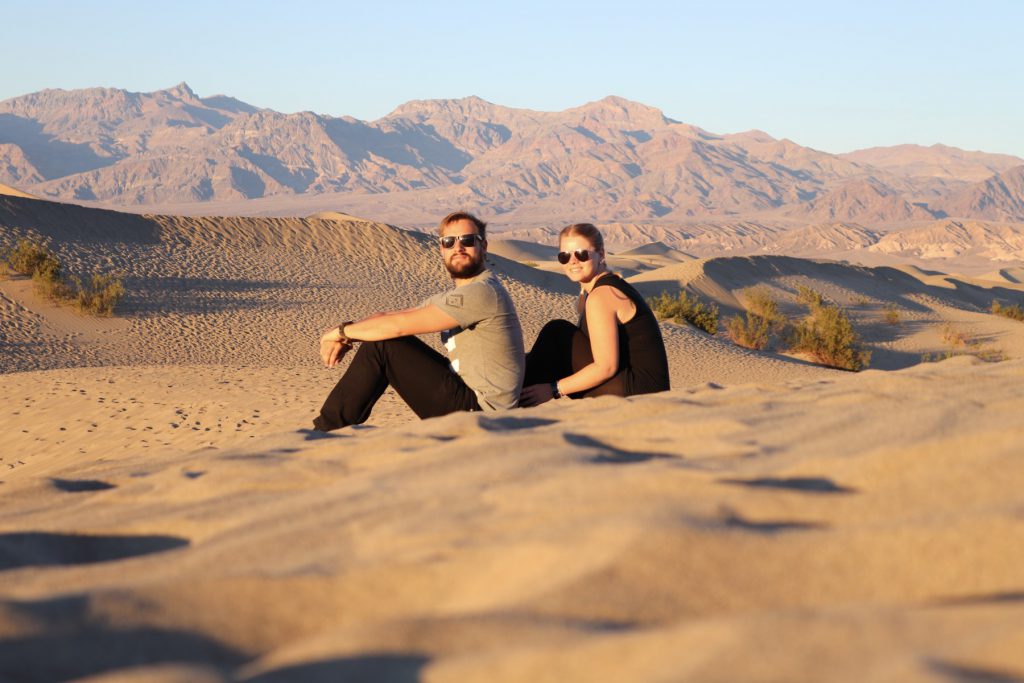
point(49, 283)
point(1013, 311)
point(29, 256)
point(809, 297)
point(686, 308)
point(956, 337)
point(101, 295)
point(861, 300)
point(532, 264)
point(959, 342)
point(992, 355)
point(750, 331)
point(33, 258)
point(754, 330)
point(827, 335)
point(892, 314)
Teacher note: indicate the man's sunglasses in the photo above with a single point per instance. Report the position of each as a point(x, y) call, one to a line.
point(582, 255)
point(466, 241)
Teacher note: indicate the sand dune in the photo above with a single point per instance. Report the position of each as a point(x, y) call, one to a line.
point(657, 250)
point(1011, 275)
point(521, 250)
point(754, 532)
point(626, 263)
point(15, 192)
point(165, 516)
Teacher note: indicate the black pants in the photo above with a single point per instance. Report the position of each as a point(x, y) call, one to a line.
point(561, 350)
point(421, 376)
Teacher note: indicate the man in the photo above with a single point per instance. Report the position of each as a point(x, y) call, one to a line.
point(479, 329)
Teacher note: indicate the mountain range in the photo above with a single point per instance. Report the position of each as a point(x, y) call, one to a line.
point(608, 161)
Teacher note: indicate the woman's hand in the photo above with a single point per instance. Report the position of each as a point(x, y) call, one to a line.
point(535, 395)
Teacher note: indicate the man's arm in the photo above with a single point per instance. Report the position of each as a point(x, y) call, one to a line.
point(395, 324)
point(382, 326)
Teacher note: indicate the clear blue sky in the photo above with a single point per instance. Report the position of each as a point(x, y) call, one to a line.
point(836, 76)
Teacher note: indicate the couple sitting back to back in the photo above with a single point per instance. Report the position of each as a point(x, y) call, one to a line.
point(615, 350)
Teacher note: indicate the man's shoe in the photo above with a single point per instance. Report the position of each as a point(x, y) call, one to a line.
point(321, 425)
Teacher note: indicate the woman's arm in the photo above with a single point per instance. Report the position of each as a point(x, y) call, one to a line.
point(602, 325)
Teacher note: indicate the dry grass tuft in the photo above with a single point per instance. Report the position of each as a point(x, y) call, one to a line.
point(1013, 311)
point(959, 342)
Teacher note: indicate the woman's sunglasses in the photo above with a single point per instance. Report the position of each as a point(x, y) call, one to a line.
point(466, 241)
point(582, 255)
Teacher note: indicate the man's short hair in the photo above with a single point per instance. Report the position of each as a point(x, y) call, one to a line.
point(456, 216)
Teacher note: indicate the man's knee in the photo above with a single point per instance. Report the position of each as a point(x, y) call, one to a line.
point(381, 349)
point(387, 348)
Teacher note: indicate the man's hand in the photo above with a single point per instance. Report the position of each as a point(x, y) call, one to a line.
point(534, 395)
point(332, 349)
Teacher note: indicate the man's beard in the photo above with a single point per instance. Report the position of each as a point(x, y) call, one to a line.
point(465, 269)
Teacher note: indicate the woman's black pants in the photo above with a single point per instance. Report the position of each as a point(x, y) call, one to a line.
point(561, 350)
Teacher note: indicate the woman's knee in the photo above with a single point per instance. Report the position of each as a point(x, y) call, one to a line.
point(558, 332)
point(558, 325)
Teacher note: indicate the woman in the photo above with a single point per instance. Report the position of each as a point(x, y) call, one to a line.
point(617, 348)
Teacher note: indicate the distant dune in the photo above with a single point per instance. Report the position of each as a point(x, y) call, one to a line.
point(14, 192)
point(521, 250)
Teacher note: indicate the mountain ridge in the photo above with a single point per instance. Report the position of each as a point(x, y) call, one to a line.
point(610, 160)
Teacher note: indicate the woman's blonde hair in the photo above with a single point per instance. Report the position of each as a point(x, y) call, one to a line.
point(586, 230)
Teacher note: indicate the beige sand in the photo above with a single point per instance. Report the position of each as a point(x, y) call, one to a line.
point(15, 192)
point(164, 516)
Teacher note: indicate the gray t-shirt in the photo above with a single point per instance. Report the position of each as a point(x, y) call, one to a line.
point(486, 350)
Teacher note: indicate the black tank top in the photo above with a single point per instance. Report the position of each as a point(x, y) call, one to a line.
point(642, 358)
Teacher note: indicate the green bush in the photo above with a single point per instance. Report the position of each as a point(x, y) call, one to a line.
point(29, 256)
point(892, 314)
point(809, 297)
point(102, 294)
point(1013, 311)
point(762, 318)
point(33, 258)
point(686, 308)
point(50, 284)
point(827, 335)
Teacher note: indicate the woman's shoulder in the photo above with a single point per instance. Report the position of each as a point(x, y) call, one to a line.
point(608, 293)
point(615, 282)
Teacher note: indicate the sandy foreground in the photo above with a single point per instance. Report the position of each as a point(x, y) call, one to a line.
point(165, 515)
point(865, 527)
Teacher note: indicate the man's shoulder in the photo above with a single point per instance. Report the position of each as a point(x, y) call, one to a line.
point(481, 291)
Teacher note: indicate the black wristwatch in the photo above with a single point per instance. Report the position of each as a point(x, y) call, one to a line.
point(345, 341)
point(555, 393)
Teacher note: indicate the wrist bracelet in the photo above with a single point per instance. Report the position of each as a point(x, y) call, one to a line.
point(555, 393)
point(345, 341)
